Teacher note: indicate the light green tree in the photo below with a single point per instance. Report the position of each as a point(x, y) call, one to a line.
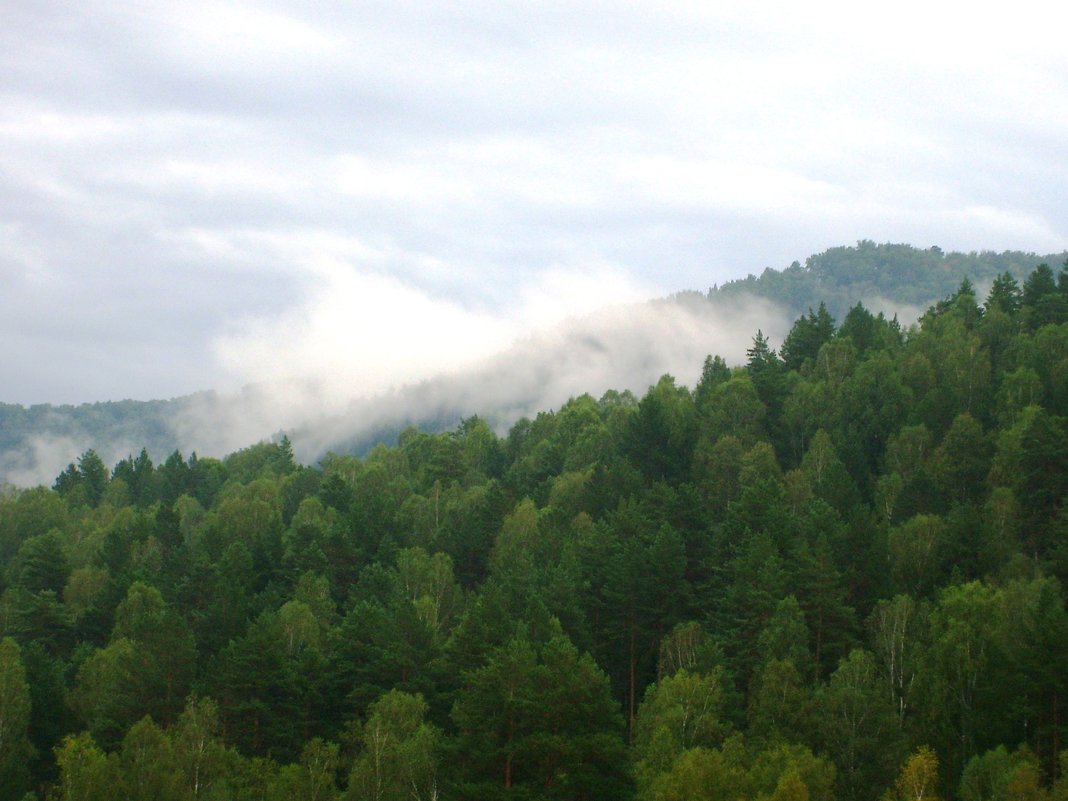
point(400, 752)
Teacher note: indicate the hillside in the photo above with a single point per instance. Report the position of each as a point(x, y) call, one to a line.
point(835, 571)
point(880, 275)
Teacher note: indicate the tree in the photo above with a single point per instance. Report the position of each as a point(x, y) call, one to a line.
point(51, 717)
point(702, 774)
point(828, 477)
point(961, 462)
point(767, 373)
point(41, 564)
point(918, 779)
point(786, 637)
point(15, 748)
point(383, 643)
point(999, 775)
point(717, 469)
point(175, 478)
point(147, 770)
point(682, 711)
point(792, 771)
point(540, 718)
point(257, 683)
point(859, 726)
point(736, 409)
point(958, 667)
point(1004, 295)
point(781, 704)
point(713, 373)
point(400, 752)
point(102, 697)
point(659, 438)
point(1042, 303)
point(83, 771)
point(164, 653)
point(687, 647)
point(200, 756)
point(139, 474)
point(915, 553)
point(1024, 699)
point(867, 331)
point(430, 584)
point(871, 405)
point(806, 409)
point(893, 626)
point(1032, 459)
point(313, 778)
point(84, 483)
point(821, 589)
point(1019, 389)
point(757, 582)
point(641, 595)
point(807, 337)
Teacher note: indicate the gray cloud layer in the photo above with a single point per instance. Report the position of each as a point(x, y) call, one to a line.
point(192, 194)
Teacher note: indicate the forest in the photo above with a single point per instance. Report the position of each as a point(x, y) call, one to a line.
point(899, 274)
point(833, 572)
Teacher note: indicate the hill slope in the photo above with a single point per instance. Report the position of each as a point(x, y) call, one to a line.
point(627, 350)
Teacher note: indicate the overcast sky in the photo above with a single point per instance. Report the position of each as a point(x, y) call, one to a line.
point(199, 195)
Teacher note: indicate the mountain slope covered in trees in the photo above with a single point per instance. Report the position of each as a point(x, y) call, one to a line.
point(833, 572)
point(873, 274)
point(36, 442)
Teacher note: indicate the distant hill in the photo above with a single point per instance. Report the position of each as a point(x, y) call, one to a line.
point(901, 275)
point(627, 351)
point(47, 434)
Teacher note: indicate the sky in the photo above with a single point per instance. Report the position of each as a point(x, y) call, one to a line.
point(206, 195)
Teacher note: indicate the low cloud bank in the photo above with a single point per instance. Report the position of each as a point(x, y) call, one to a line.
point(498, 369)
point(626, 346)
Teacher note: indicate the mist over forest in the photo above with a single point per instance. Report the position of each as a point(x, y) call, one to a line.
point(625, 346)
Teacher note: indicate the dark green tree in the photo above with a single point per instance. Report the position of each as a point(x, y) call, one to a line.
point(859, 727)
point(807, 337)
point(15, 747)
point(540, 719)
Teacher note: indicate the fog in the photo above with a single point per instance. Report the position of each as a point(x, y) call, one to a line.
point(350, 365)
point(622, 347)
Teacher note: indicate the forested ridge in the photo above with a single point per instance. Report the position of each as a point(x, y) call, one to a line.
point(896, 274)
point(833, 572)
point(37, 440)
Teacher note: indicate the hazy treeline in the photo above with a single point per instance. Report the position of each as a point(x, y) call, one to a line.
point(617, 349)
point(900, 275)
point(833, 572)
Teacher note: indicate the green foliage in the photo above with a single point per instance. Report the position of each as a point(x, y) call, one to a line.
point(807, 337)
point(654, 598)
point(907, 275)
point(15, 747)
point(682, 711)
point(400, 751)
point(860, 727)
point(539, 717)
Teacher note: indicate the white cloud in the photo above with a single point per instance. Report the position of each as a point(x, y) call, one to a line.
point(361, 333)
point(180, 170)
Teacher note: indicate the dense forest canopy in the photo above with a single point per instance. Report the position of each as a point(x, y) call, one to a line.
point(833, 572)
